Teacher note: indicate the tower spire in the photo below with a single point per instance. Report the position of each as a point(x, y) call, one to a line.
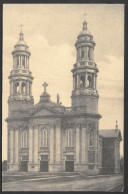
point(21, 35)
point(116, 125)
point(85, 72)
point(85, 22)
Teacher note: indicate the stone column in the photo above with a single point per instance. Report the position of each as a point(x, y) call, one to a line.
point(20, 84)
point(83, 139)
point(27, 88)
point(86, 79)
point(78, 50)
point(51, 144)
point(85, 53)
point(91, 53)
point(77, 144)
point(30, 89)
point(58, 142)
point(13, 62)
point(16, 146)
point(95, 81)
point(10, 88)
point(30, 144)
point(73, 82)
point(8, 146)
point(36, 145)
point(28, 63)
point(78, 81)
point(20, 63)
point(77, 55)
point(11, 146)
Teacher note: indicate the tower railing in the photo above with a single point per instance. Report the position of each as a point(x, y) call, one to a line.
point(72, 110)
point(85, 63)
point(23, 71)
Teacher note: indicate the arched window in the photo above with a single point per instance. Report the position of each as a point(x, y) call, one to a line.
point(44, 138)
point(16, 88)
point(82, 54)
point(24, 139)
point(90, 81)
point(23, 61)
point(17, 61)
point(91, 137)
point(23, 88)
point(89, 53)
point(69, 138)
point(82, 81)
point(75, 82)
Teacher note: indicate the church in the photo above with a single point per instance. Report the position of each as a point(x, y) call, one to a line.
point(50, 137)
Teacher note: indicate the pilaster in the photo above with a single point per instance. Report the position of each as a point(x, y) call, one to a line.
point(83, 139)
point(16, 146)
point(51, 144)
point(11, 146)
point(30, 144)
point(58, 138)
point(77, 144)
point(35, 144)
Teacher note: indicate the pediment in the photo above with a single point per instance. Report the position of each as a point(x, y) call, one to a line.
point(43, 111)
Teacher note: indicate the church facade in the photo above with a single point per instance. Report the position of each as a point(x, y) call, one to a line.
point(50, 137)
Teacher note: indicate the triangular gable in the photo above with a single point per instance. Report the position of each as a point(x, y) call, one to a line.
point(43, 110)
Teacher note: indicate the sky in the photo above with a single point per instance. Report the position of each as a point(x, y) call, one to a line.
point(50, 31)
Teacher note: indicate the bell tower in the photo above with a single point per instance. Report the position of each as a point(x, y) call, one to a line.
point(20, 77)
point(85, 71)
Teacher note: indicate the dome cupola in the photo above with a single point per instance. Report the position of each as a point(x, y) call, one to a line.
point(20, 78)
point(85, 36)
point(85, 72)
point(21, 45)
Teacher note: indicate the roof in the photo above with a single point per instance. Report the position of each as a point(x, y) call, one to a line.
point(84, 30)
point(110, 133)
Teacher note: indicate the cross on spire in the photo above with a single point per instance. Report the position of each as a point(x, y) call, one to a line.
point(44, 85)
point(85, 14)
point(21, 26)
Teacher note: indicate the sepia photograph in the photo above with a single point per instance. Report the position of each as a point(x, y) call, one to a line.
point(63, 97)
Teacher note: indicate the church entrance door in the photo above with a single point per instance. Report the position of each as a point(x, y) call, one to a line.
point(43, 166)
point(24, 166)
point(69, 166)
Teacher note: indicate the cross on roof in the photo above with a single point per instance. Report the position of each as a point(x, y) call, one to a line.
point(44, 85)
point(21, 26)
point(85, 14)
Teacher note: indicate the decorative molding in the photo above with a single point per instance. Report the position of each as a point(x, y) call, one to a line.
point(83, 125)
point(67, 124)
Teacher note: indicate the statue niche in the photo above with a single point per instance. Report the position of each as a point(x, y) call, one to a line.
point(82, 81)
point(90, 81)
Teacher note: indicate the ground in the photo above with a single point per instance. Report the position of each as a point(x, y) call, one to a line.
point(22, 181)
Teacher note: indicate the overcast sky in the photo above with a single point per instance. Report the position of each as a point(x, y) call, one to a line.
point(51, 31)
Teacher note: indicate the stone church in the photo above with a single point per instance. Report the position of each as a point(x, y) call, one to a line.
point(50, 137)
